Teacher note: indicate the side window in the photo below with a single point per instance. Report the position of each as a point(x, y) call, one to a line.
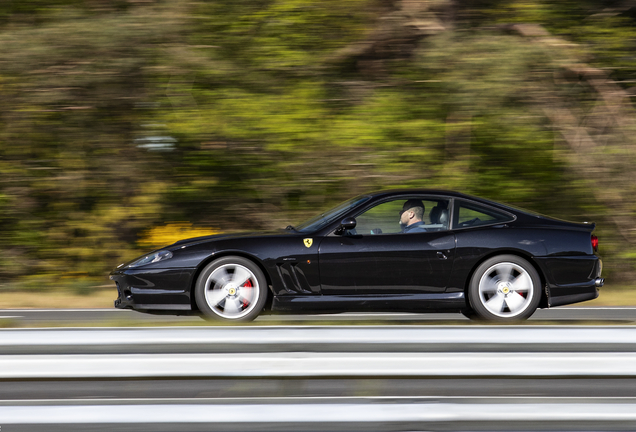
point(469, 215)
point(404, 215)
point(381, 219)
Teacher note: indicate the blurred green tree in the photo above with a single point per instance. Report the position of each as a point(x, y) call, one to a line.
point(120, 116)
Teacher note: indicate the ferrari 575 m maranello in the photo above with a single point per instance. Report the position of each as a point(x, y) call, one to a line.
point(392, 251)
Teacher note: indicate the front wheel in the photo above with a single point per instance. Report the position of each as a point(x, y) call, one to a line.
point(471, 315)
point(505, 288)
point(231, 289)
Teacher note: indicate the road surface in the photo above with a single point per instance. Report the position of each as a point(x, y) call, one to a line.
point(71, 317)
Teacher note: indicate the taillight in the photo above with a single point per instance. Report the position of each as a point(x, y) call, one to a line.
point(595, 243)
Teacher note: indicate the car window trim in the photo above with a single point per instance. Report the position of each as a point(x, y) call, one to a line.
point(331, 231)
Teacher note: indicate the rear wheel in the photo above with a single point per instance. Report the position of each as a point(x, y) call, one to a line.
point(505, 288)
point(231, 289)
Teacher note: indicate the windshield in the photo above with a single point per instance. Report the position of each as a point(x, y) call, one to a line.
point(329, 216)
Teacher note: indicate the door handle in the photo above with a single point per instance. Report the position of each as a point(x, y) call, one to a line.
point(441, 256)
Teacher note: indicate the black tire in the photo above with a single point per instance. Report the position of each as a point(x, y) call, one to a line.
point(231, 289)
point(505, 288)
point(471, 315)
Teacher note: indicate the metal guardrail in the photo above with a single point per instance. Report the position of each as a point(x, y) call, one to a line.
point(357, 416)
point(176, 356)
point(318, 339)
point(318, 365)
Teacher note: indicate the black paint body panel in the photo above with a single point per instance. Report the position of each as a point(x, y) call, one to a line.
point(438, 302)
point(395, 263)
point(391, 272)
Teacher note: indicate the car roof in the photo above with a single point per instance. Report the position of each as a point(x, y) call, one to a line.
point(441, 193)
point(528, 216)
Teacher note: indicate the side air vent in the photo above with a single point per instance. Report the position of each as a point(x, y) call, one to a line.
point(293, 278)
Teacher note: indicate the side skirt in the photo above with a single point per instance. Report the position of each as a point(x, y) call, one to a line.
point(416, 303)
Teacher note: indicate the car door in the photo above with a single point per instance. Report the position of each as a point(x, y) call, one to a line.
point(379, 258)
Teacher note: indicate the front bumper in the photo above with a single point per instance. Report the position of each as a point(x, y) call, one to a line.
point(156, 289)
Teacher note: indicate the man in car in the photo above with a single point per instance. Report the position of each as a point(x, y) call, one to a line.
point(411, 216)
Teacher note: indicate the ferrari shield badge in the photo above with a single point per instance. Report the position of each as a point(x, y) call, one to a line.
point(308, 242)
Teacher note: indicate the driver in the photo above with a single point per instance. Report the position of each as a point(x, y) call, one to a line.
point(411, 216)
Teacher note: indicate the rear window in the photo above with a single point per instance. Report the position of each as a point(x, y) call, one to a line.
point(469, 215)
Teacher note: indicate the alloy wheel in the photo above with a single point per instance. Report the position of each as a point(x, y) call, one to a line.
point(232, 291)
point(506, 289)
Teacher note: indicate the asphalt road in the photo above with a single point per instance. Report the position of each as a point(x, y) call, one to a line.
point(118, 317)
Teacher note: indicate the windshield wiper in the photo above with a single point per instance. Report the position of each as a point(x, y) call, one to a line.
point(290, 228)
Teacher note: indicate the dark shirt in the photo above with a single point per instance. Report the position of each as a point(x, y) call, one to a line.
point(417, 227)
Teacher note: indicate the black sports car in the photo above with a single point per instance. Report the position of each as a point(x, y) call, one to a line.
point(406, 251)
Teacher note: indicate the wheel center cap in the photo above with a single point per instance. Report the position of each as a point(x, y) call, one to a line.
point(231, 291)
point(504, 288)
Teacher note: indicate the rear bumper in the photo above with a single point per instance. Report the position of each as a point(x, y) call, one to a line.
point(563, 295)
point(571, 279)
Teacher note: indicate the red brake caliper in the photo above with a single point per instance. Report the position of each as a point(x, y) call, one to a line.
point(247, 284)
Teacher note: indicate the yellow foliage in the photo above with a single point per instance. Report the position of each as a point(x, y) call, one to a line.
point(167, 234)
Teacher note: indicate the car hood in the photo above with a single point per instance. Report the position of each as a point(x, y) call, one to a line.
point(211, 238)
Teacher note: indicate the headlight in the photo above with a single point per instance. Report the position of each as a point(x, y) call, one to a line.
point(152, 258)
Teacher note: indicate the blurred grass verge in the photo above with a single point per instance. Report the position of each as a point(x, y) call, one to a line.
point(98, 297)
point(614, 295)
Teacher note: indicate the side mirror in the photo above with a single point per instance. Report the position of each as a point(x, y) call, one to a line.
point(348, 223)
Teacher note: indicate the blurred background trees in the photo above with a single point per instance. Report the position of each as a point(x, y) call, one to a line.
point(121, 117)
